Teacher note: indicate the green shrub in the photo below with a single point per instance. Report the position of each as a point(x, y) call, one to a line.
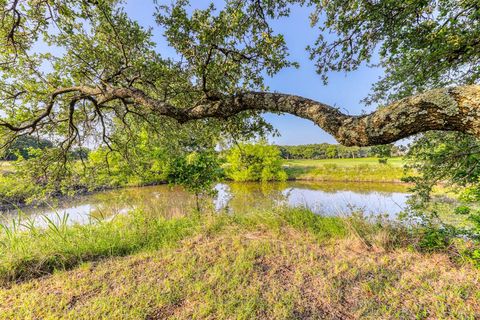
point(255, 162)
point(197, 172)
point(462, 210)
point(433, 239)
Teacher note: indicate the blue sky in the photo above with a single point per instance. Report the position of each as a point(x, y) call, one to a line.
point(344, 90)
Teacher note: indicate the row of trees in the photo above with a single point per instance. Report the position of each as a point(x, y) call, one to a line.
point(335, 151)
point(308, 151)
point(21, 147)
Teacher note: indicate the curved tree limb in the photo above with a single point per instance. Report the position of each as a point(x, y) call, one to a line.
point(449, 109)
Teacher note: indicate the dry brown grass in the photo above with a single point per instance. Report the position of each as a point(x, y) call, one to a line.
point(5, 167)
point(255, 274)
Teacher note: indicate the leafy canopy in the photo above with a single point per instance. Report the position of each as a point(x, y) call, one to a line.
point(48, 45)
point(50, 48)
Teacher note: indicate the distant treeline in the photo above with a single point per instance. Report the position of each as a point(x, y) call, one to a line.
point(21, 146)
point(332, 151)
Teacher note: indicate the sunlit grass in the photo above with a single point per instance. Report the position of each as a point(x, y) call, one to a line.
point(269, 264)
point(396, 162)
point(30, 251)
point(360, 170)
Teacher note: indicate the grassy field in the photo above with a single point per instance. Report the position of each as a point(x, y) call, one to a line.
point(278, 264)
point(360, 169)
point(395, 162)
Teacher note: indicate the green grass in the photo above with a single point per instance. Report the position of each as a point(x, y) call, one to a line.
point(396, 162)
point(274, 264)
point(359, 170)
point(29, 251)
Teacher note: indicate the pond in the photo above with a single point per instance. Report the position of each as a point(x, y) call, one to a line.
point(328, 198)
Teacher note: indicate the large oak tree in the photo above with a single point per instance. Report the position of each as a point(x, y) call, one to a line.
point(76, 68)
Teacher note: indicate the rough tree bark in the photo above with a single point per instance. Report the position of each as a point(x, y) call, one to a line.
point(449, 109)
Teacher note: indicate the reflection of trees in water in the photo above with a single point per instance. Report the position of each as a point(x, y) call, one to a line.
point(156, 200)
point(248, 196)
point(169, 201)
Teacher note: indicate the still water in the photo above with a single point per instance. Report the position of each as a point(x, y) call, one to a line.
point(329, 198)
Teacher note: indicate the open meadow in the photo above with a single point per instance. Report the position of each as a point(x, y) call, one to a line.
point(359, 170)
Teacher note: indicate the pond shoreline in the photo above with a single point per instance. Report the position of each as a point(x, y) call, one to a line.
point(320, 179)
point(290, 258)
point(83, 192)
point(78, 193)
point(324, 198)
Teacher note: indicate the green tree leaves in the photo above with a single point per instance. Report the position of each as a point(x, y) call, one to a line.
point(197, 172)
point(421, 44)
point(254, 162)
point(445, 157)
point(227, 49)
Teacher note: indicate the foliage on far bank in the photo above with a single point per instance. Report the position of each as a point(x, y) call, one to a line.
point(254, 162)
point(197, 173)
point(143, 157)
point(337, 151)
point(21, 146)
point(26, 180)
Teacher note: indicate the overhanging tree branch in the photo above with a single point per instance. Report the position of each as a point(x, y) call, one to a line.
point(449, 109)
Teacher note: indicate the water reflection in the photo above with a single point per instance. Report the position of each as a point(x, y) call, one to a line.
point(321, 197)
